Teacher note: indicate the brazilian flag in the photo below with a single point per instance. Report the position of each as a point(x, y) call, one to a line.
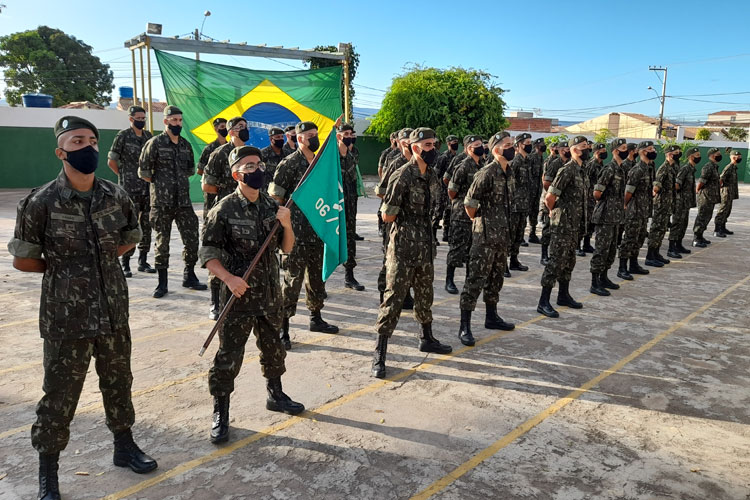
point(205, 91)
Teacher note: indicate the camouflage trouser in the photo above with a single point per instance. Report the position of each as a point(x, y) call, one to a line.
point(401, 276)
point(631, 238)
point(304, 263)
point(350, 209)
point(460, 243)
point(484, 272)
point(658, 229)
point(142, 203)
point(725, 209)
point(679, 224)
point(705, 212)
point(65, 365)
point(187, 225)
point(447, 218)
point(544, 220)
point(232, 339)
point(588, 228)
point(517, 225)
point(209, 200)
point(382, 273)
point(562, 255)
point(534, 210)
point(438, 209)
point(605, 248)
point(643, 234)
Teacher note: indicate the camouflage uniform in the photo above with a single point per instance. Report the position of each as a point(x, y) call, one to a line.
point(169, 166)
point(440, 196)
point(707, 197)
point(729, 192)
point(84, 302)
point(565, 219)
point(452, 164)
point(305, 261)
point(639, 209)
point(126, 148)
point(490, 194)
point(520, 202)
point(272, 160)
point(460, 230)
point(536, 168)
point(349, 184)
point(411, 251)
point(555, 163)
point(381, 189)
point(286, 149)
point(591, 176)
point(209, 199)
point(608, 215)
point(684, 201)
point(663, 204)
point(234, 232)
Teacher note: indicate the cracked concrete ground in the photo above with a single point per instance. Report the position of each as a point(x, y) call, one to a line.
point(641, 395)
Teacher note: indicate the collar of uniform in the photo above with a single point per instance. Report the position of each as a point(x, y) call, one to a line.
point(67, 192)
point(243, 199)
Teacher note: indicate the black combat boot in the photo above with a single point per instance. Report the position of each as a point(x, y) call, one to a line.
point(506, 273)
point(220, 425)
point(143, 266)
point(358, 237)
point(699, 241)
point(464, 330)
point(579, 251)
point(672, 251)
point(605, 282)
point(704, 240)
point(681, 248)
point(351, 282)
point(450, 286)
point(596, 286)
point(587, 245)
point(544, 306)
point(285, 334)
point(718, 232)
point(190, 280)
point(49, 488)
point(515, 265)
point(214, 312)
point(378, 360)
point(523, 243)
point(651, 259)
point(725, 230)
point(434, 236)
point(161, 288)
point(428, 343)
point(125, 263)
point(278, 401)
point(408, 302)
point(635, 268)
point(127, 454)
point(492, 321)
point(533, 238)
point(658, 256)
point(545, 256)
point(622, 271)
point(564, 298)
point(318, 325)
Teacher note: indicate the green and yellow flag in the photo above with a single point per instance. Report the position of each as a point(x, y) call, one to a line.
point(205, 91)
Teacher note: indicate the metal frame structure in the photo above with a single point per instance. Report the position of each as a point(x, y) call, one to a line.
point(175, 44)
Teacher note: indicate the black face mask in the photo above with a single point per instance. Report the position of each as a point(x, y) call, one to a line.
point(527, 148)
point(509, 153)
point(429, 156)
point(278, 143)
point(542, 149)
point(718, 158)
point(175, 129)
point(139, 124)
point(677, 157)
point(254, 179)
point(622, 154)
point(294, 139)
point(243, 135)
point(84, 160)
point(348, 141)
point(696, 160)
point(567, 155)
point(585, 155)
point(223, 132)
point(479, 151)
point(651, 155)
point(739, 160)
point(453, 147)
point(354, 140)
point(314, 143)
point(602, 156)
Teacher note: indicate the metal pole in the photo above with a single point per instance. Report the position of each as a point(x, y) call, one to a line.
point(135, 80)
point(143, 80)
point(663, 95)
point(345, 64)
point(197, 37)
point(150, 106)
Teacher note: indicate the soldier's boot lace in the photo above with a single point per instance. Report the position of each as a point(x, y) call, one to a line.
point(285, 334)
point(596, 286)
point(544, 306)
point(493, 321)
point(161, 288)
point(190, 280)
point(351, 282)
point(49, 488)
point(605, 282)
point(143, 266)
point(213, 313)
point(278, 401)
point(428, 343)
point(635, 268)
point(378, 360)
point(125, 262)
point(317, 324)
point(464, 330)
point(564, 298)
point(450, 285)
point(220, 423)
point(127, 454)
point(622, 271)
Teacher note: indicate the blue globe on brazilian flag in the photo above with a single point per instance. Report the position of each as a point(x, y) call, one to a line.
point(205, 91)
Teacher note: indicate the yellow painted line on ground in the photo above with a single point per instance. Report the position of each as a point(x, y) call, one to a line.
point(16, 323)
point(561, 403)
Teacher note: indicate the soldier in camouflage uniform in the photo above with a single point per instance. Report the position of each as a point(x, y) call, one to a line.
point(291, 141)
point(73, 229)
point(412, 250)
point(592, 170)
point(564, 200)
point(454, 162)
point(708, 189)
point(638, 194)
point(382, 161)
point(123, 160)
point(664, 193)
point(167, 163)
point(729, 192)
point(357, 175)
point(684, 200)
point(441, 194)
point(609, 192)
point(536, 169)
point(520, 200)
point(234, 231)
point(218, 181)
point(488, 204)
point(220, 127)
point(460, 232)
point(344, 136)
point(272, 154)
point(305, 262)
point(559, 157)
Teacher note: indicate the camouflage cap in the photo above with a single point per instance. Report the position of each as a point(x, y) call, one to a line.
point(617, 142)
point(234, 121)
point(735, 152)
point(275, 131)
point(471, 138)
point(346, 126)
point(290, 128)
point(451, 138)
point(404, 133)
point(172, 110)
point(579, 139)
point(135, 109)
point(645, 144)
point(241, 152)
point(712, 151)
point(421, 133)
point(672, 148)
point(305, 127)
point(219, 121)
point(497, 138)
point(521, 137)
point(692, 151)
point(599, 145)
point(68, 123)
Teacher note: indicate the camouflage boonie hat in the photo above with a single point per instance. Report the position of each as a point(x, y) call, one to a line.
point(645, 144)
point(305, 127)
point(617, 142)
point(67, 123)
point(135, 109)
point(172, 110)
point(241, 152)
point(496, 138)
point(421, 133)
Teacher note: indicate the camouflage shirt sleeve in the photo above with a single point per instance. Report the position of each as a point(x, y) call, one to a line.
point(213, 239)
point(205, 155)
point(28, 236)
point(458, 179)
point(605, 177)
point(212, 171)
point(477, 189)
point(562, 179)
point(634, 176)
point(130, 233)
point(394, 194)
point(148, 161)
point(117, 145)
point(282, 180)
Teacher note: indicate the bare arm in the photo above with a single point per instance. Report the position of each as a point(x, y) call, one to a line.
point(550, 201)
point(28, 265)
point(471, 212)
point(388, 218)
point(121, 249)
point(113, 166)
point(207, 188)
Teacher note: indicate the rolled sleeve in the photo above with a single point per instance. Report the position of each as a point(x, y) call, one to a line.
point(657, 184)
point(210, 180)
point(130, 236)
point(471, 202)
point(390, 209)
point(548, 178)
point(113, 155)
point(275, 190)
point(452, 186)
point(24, 249)
point(630, 189)
point(207, 253)
point(702, 180)
point(555, 191)
point(600, 187)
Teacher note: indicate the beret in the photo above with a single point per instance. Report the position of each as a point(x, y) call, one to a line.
point(645, 144)
point(712, 151)
point(219, 121)
point(135, 109)
point(471, 138)
point(241, 152)
point(404, 133)
point(617, 142)
point(632, 146)
point(562, 144)
point(692, 151)
point(290, 128)
point(172, 110)
point(579, 139)
point(496, 138)
point(735, 152)
point(521, 137)
point(599, 145)
point(539, 141)
point(67, 123)
point(275, 131)
point(234, 121)
point(345, 126)
point(305, 127)
point(451, 138)
point(421, 133)
point(671, 148)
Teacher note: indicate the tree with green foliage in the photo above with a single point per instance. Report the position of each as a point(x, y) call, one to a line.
point(450, 101)
point(684, 145)
point(603, 135)
point(703, 134)
point(317, 62)
point(555, 138)
point(47, 60)
point(736, 134)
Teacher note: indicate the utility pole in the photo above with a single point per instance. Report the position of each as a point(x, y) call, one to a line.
point(663, 92)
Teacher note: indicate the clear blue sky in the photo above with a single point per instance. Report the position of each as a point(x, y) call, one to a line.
point(572, 61)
